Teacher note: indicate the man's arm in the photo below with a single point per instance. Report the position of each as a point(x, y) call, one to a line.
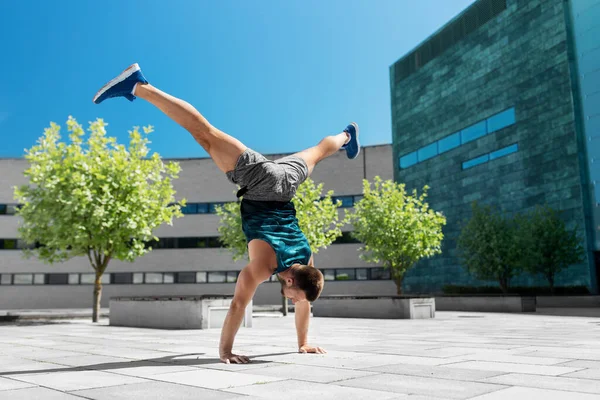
point(245, 287)
point(302, 311)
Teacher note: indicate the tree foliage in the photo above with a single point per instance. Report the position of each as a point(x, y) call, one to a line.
point(397, 228)
point(94, 197)
point(317, 216)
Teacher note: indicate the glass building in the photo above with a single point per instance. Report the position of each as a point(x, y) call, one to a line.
point(502, 106)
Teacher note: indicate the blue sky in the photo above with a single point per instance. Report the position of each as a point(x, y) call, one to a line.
point(278, 75)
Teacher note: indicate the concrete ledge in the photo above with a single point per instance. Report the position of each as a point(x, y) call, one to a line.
point(382, 307)
point(568, 301)
point(173, 312)
point(488, 303)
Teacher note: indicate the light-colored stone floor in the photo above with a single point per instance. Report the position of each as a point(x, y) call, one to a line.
point(454, 356)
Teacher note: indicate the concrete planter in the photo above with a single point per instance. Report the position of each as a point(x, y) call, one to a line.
point(382, 307)
point(568, 301)
point(173, 312)
point(486, 303)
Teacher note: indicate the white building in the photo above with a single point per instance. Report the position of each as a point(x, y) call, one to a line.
point(189, 260)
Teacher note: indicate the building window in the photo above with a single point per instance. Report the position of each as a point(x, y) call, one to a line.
point(427, 152)
point(2, 209)
point(347, 201)
point(73, 279)
point(217, 277)
point(57, 279)
point(329, 274)
point(476, 161)
point(202, 208)
point(212, 207)
point(380, 273)
point(501, 120)
point(153, 277)
point(232, 276)
point(186, 277)
point(504, 151)
point(362, 274)
point(201, 277)
point(168, 277)
point(474, 132)
point(5, 279)
point(449, 142)
point(190, 208)
point(121, 278)
point(138, 278)
point(23, 279)
point(346, 274)
point(39, 279)
point(408, 160)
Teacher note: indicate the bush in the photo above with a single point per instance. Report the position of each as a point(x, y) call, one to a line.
point(521, 290)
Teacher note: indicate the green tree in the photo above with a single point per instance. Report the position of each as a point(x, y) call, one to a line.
point(94, 198)
point(397, 228)
point(317, 216)
point(490, 247)
point(549, 246)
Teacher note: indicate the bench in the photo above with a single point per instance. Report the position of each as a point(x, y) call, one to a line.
point(173, 312)
point(382, 307)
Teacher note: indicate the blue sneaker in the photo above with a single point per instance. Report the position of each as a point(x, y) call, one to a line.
point(353, 146)
point(121, 86)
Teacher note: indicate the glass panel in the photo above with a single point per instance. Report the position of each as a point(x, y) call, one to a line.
point(21, 244)
point(153, 277)
point(501, 120)
point(380, 273)
point(345, 274)
point(2, 209)
point(232, 276)
point(217, 277)
point(39, 279)
point(22, 279)
point(138, 277)
point(190, 208)
point(57, 279)
point(5, 279)
point(213, 242)
point(186, 277)
point(10, 244)
point(11, 209)
point(362, 274)
point(473, 132)
point(212, 207)
point(188, 242)
point(329, 274)
point(358, 198)
point(122, 278)
point(73, 279)
point(408, 160)
point(427, 152)
point(201, 277)
point(169, 277)
point(347, 201)
point(202, 208)
point(87, 279)
point(504, 151)
point(449, 143)
point(476, 161)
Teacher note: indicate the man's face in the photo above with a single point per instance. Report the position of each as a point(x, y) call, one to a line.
point(294, 294)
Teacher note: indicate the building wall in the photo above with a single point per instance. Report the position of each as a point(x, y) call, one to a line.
point(518, 59)
point(199, 181)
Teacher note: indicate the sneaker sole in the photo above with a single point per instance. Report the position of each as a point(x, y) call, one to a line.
point(120, 78)
point(357, 142)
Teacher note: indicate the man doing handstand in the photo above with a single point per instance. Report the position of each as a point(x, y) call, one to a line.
point(275, 242)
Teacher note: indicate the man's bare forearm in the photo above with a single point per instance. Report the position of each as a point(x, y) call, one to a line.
point(232, 323)
point(302, 322)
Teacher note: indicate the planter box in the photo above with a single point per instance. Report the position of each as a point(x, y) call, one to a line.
point(173, 312)
point(489, 303)
point(382, 307)
point(568, 301)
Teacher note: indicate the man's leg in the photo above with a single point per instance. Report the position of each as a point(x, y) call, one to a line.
point(223, 149)
point(326, 147)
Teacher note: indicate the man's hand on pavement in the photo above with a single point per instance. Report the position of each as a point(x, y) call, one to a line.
point(310, 349)
point(230, 358)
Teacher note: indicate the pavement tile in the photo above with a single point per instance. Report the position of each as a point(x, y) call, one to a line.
point(548, 382)
point(88, 361)
point(512, 367)
point(311, 373)
point(215, 379)
point(37, 393)
point(582, 364)
point(585, 374)
point(436, 372)
point(422, 386)
point(9, 384)
point(298, 390)
point(535, 394)
point(156, 391)
point(77, 380)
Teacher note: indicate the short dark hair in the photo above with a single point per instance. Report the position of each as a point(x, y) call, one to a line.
point(310, 280)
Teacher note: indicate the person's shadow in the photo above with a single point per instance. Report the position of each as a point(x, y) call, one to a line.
point(151, 362)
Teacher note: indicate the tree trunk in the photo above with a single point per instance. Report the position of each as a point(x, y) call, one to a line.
point(97, 296)
point(398, 282)
point(504, 285)
point(284, 305)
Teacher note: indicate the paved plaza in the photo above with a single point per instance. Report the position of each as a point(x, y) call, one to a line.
point(454, 356)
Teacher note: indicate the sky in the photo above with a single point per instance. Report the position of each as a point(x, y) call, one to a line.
point(278, 75)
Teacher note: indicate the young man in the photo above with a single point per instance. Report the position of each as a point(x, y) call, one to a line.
point(275, 242)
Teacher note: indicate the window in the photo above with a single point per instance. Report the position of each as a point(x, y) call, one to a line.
point(212, 207)
point(153, 277)
point(39, 279)
point(476, 161)
point(87, 279)
point(186, 277)
point(474, 132)
point(217, 277)
point(213, 242)
point(168, 277)
point(22, 279)
point(504, 151)
point(190, 242)
point(408, 160)
point(11, 209)
point(73, 279)
point(138, 277)
point(122, 278)
point(201, 277)
point(57, 279)
point(190, 208)
point(8, 244)
point(5, 279)
point(449, 143)
point(362, 274)
point(202, 208)
point(378, 274)
point(501, 120)
point(347, 274)
point(427, 152)
point(347, 201)
point(2, 209)
point(358, 198)
point(232, 276)
point(329, 274)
